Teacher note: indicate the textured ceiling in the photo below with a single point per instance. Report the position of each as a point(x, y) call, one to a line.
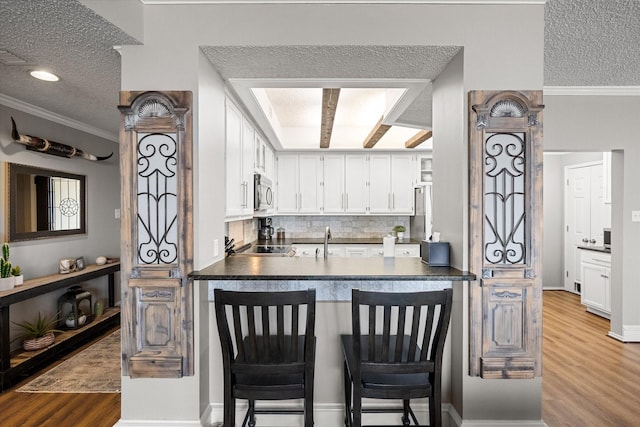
point(74, 43)
point(587, 43)
point(592, 43)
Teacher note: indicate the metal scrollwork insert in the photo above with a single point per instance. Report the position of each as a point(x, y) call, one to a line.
point(504, 194)
point(157, 198)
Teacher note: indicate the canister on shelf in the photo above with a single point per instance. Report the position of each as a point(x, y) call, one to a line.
point(280, 233)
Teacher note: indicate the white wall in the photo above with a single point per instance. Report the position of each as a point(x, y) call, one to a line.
point(41, 257)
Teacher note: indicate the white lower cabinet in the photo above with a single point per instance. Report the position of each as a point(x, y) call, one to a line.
point(595, 268)
point(407, 250)
point(364, 250)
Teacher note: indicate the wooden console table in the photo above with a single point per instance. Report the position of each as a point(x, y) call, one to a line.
point(12, 365)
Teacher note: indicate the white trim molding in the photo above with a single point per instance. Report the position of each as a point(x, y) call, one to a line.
point(157, 423)
point(438, 2)
point(592, 90)
point(630, 333)
point(16, 104)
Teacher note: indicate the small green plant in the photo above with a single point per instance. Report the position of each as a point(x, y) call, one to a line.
point(5, 265)
point(16, 271)
point(37, 329)
point(399, 228)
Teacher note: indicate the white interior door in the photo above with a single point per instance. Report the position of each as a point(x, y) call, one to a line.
point(577, 221)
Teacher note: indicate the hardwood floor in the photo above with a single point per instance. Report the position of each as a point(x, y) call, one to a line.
point(56, 410)
point(589, 379)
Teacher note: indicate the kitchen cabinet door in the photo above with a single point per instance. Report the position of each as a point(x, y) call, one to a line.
point(333, 183)
point(379, 183)
point(355, 184)
point(309, 178)
point(269, 163)
point(402, 184)
point(406, 250)
point(287, 184)
point(234, 173)
point(596, 285)
point(248, 144)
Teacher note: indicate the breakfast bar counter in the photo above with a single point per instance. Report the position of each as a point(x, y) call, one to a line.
point(333, 278)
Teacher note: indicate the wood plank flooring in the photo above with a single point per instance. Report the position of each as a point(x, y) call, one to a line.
point(55, 410)
point(589, 379)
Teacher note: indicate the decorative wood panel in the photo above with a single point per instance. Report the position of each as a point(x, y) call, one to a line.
point(157, 234)
point(505, 134)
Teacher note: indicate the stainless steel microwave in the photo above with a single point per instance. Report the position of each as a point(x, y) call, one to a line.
point(263, 193)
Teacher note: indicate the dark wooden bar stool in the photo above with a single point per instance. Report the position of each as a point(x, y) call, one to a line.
point(395, 352)
point(268, 350)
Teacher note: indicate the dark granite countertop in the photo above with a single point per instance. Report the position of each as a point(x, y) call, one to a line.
point(334, 241)
point(302, 268)
point(596, 249)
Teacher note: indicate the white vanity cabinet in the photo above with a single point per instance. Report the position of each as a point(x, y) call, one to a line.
point(595, 270)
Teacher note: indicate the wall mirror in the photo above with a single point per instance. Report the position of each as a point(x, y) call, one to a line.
point(45, 203)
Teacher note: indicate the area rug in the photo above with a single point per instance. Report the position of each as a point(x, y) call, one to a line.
point(95, 369)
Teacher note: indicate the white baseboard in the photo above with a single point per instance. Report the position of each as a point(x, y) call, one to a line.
point(158, 423)
point(630, 333)
point(457, 421)
point(328, 414)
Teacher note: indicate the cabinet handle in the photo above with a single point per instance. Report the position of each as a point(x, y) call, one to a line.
point(585, 240)
point(300, 197)
point(604, 276)
point(342, 201)
point(592, 241)
point(393, 200)
point(346, 201)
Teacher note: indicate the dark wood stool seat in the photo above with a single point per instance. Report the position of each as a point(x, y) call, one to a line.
point(395, 352)
point(280, 367)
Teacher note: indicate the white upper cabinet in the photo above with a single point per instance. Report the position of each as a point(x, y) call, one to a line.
point(425, 169)
point(239, 145)
point(298, 183)
point(355, 183)
point(379, 183)
point(346, 183)
point(333, 186)
point(287, 183)
point(402, 168)
point(310, 177)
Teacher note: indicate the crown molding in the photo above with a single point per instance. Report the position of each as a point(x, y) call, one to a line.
point(592, 90)
point(438, 2)
point(16, 104)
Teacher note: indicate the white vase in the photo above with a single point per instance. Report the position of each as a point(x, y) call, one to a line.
point(19, 280)
point(7, 283)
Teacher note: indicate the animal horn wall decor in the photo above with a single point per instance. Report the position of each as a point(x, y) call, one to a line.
point(50, 147)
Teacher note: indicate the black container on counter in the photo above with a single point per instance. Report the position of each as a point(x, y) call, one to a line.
point(436, 254)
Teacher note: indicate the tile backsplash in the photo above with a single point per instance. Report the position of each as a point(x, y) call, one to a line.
point(341, 226)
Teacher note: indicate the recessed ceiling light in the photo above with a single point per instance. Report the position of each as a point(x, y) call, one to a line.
point(44, 75)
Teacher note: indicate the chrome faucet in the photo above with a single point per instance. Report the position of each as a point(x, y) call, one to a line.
point(327, 237)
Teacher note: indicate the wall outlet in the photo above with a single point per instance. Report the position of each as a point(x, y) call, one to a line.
point(117, 213)
point(635, 216)
point(216, 250)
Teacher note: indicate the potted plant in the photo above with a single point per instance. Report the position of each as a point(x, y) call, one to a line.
point(7, 281)
point(18, 277)
point(400, 229)
point(39, 334)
